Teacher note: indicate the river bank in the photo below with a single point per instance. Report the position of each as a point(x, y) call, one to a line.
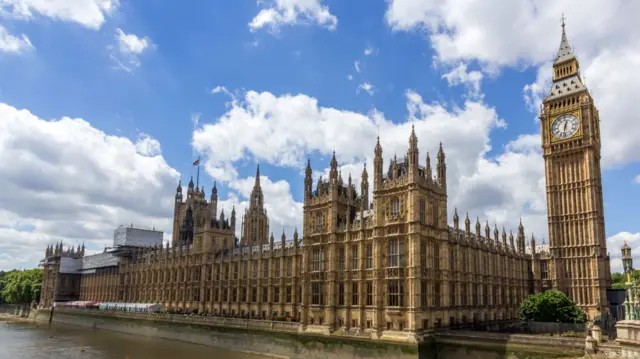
point(238, 334)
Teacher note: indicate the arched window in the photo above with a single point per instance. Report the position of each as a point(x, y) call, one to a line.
point(317, 260)
point(395, 206)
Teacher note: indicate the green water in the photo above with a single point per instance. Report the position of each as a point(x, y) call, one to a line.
point(30, 341)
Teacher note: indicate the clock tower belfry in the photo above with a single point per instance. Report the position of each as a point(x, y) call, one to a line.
point(579, 263)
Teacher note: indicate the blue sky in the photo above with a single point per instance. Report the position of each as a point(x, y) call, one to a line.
point(161, 83)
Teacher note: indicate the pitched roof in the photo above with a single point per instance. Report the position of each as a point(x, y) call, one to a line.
point(564, 52)
point(570, 85)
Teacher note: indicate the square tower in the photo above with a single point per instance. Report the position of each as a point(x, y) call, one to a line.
point(570, 131)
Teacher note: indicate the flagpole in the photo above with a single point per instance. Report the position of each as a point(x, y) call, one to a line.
point(198, 175)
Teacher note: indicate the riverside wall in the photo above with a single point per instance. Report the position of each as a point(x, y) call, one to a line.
point(285, 339)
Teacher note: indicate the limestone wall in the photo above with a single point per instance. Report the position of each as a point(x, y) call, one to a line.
point(281, 343)
point(628, 336)
point(282, 339)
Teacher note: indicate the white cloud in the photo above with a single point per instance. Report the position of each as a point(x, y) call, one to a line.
point(349, 77)
point(147, 145)
point(356, 65)
point(523, 33)
point(279, 13)
point(65, 180)
point(14, 44)
point(366, 87)
point(502, 189)
point(128, 50)
point(132, 44)
point(223, 90)
point(88, 13)
point(520, 30)
point(637, 179)
point(498, 34)
point(460, 76)
point(615, 243)
point(535, 92)
point(369, 50)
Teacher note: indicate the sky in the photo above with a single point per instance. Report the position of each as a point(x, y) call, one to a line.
point(105, 104)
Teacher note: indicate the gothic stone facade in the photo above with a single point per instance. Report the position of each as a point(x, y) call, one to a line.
point(390, 266)
point(578, 261)
point(394, 266)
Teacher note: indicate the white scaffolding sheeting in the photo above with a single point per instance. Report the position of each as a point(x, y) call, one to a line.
point(132, 236)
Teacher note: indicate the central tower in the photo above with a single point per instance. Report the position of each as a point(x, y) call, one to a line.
point(571, 147)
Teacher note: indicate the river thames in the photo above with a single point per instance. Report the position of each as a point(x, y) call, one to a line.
point(29, 341)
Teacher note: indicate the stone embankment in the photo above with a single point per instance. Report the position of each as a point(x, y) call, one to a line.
point(286, 339)
point(15, 310)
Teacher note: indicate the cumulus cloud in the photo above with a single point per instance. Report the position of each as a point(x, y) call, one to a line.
point(89, 13)
point(66, 180)
point(518, 34)
point(147, 145)
point(460, 76)
point(356, 65)
point(14, 44)
point(128, 49)
point(502, 188)
point(278, 13)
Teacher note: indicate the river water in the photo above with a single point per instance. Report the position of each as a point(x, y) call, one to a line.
point(29, 341)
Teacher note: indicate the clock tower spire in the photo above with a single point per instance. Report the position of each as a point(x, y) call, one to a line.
point(570, 131)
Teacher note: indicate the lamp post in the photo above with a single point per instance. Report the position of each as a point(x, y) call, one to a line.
point(627, 261)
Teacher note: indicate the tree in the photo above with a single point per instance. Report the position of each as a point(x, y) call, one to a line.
point(619, 280)
point(2, 274)
point(551, 306)
point(21, 287)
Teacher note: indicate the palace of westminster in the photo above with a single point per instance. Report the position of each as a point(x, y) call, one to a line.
point(391, 265)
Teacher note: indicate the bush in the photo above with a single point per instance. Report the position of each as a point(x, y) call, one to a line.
point(551, 306)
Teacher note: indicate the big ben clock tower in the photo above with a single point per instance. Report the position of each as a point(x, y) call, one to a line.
point(579, 262)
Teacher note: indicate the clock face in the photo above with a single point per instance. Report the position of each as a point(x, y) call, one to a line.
point(565, 126)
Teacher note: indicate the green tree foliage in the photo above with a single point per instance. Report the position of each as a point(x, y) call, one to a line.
point(551, 306)
point(2, 274)
point(619, 280)
point(21, 287)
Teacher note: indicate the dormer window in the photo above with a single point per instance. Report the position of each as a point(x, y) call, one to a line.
point(257, 200)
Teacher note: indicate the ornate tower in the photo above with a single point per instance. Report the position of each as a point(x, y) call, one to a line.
point(308, 181)
point(177, 208)
point(255, 224)
point(627, 261)
point(571, 148)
